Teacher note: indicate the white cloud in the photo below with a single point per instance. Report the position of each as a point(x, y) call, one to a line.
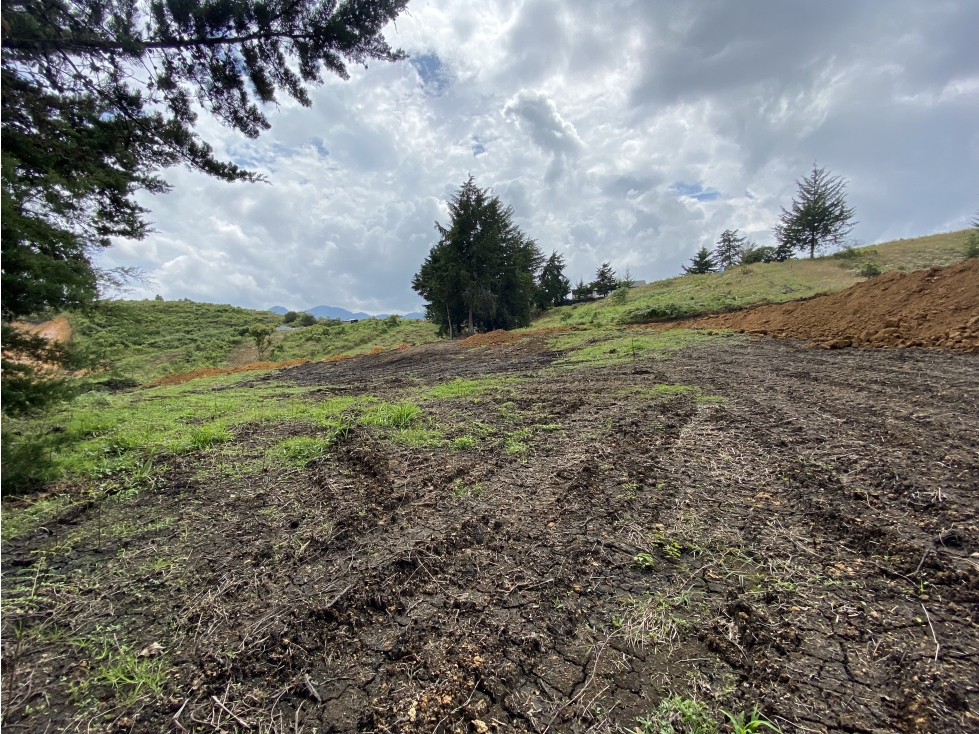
point(629, 132)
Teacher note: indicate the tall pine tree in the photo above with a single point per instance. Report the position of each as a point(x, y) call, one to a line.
point(553, 286)
point(481, 274)
point(819, 217)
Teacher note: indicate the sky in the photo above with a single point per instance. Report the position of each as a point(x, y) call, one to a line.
point(627, 132)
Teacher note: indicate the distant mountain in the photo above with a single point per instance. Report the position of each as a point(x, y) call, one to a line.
point(334, 312)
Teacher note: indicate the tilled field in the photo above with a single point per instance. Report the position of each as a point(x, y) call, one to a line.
point(743, 524)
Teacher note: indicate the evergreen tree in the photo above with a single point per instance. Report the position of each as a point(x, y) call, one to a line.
point(819, 217)
point(730, 248)
point(97, 97)
point(582, 291)
point(626, 281)
point(701, 263)
point(605, 281)
point(553, 286)
point(481, 273)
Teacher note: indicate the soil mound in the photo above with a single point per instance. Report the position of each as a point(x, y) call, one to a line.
point(937, 308)
point(182, 377)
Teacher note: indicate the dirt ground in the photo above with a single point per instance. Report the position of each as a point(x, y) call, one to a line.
point(745, 523)
point(937, 307)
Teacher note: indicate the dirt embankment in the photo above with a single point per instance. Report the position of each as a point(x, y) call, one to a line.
point(55, 330)
point(938, 307)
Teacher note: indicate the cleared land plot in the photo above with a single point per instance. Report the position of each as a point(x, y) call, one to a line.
point(508, 539)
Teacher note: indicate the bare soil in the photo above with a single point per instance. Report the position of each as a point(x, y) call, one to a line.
point(790, 528)
point(937, 308)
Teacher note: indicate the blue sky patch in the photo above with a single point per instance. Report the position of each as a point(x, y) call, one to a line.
point(695, 191)
point(431, 71)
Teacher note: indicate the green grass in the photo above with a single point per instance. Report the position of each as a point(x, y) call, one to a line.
point(330, 339)
point(300, 450)
point(99, 435)
point(143, 340)
point(739, 287)
point(610, 345)
point(460, 388)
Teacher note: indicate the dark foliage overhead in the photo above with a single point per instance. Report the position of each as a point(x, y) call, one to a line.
point(98, 95)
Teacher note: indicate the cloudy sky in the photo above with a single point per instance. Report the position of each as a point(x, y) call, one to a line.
point(633, 132)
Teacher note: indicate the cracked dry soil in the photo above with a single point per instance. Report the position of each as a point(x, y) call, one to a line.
point(799, 531)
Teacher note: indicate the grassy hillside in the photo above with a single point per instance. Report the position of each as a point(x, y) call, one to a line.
point(143, 340)
point(326, 339)
point(689, 295)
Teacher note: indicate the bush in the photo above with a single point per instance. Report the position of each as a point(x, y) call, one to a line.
point(620, 295)
point(307, 319)
point(290, 317)
point(847, 253)
point(764, 254)
point(870, 270)
point(972, 245)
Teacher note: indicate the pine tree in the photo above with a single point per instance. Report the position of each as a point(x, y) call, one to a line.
point(605, 281)
point(481, 273)
point(730, 248)
point(553, 286)
point(819, 217)
point(701, 263)
point(97, 97)
point(582, 291)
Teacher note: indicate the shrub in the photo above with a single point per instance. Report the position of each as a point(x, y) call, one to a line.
point(620, 295)
point(870, 270)
point(972, 245)
point(290, 317)
point(307, 319)
point(27, 464)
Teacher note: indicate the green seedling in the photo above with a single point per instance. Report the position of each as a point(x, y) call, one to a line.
point(744, 723)
point(464, 443)
point(644, 562)
point(678, 715)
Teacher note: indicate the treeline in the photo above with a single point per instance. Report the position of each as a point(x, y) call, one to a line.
point(819, 218)
point(485, 273)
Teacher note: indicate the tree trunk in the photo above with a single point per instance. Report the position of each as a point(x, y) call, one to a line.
point(471, 332)
point(448, 317)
